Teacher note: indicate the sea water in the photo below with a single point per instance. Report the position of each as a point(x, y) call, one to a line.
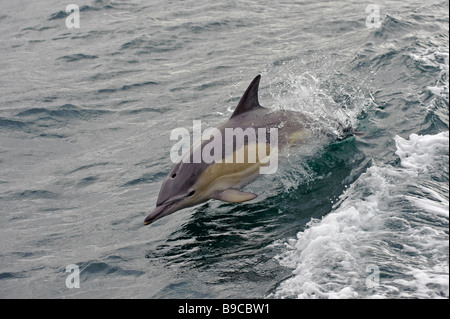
point(85, 121)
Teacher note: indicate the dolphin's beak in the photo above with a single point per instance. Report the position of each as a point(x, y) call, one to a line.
point(160, 211)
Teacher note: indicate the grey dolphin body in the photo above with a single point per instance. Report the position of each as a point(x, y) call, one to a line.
point(190, 183)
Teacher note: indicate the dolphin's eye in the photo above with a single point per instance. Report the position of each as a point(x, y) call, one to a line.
point(173, 176)
point(191, 193)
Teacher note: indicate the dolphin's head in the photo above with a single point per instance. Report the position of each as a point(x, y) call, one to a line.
point(177, 192)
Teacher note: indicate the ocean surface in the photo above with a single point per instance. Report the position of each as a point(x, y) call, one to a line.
point(85, 121)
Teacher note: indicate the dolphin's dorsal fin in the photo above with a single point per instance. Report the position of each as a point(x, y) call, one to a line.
point(249, 100)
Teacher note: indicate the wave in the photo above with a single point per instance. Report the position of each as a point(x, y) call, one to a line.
point(96, 6)
point(387, 237)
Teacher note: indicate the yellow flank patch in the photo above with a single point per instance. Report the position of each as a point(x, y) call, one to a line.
point(235, 168)
point(299, 135)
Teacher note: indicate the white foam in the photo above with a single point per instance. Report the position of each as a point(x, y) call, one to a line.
point(439, 91)
point(379, 224)
point(420, 152)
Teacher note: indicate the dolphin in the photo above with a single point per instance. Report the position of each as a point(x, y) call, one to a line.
point(190, 183)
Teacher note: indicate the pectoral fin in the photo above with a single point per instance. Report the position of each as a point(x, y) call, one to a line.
point(232, 195)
